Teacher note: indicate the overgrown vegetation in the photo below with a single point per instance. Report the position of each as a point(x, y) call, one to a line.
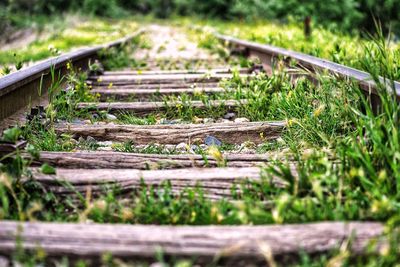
point(63, 38)
point(323, 43)
point(346, 158)
point(334, 115)
point(344, 14)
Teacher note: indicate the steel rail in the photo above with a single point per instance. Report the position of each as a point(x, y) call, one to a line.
point(19, 88)
point(268, 53)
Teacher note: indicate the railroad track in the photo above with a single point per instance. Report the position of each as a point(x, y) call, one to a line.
point(143, 93)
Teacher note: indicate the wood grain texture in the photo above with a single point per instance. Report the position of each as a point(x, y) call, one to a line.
point(204, 243)
point(157, 86)
point(177, 71)
point(143, 108)
point(146, 94)
point(216, 183)
point(232, 133)
point(158, 78)
point(120, 160)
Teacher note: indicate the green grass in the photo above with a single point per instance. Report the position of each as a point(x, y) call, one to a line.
point(332, 45)
point(346, 161)
point(83, 32)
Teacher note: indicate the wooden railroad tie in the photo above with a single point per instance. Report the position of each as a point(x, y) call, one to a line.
point(79, 172)
point(231, 133)
point(207, 243)
point(217, 183)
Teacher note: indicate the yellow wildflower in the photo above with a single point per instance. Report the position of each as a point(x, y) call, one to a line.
point(319, 110)
point(126, 214)
point(382, 175)
point(214, 152)
point(384, 250)
point(292, 121)
point(100, 204)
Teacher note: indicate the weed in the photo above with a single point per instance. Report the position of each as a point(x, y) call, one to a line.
point(62, 39)
point(128, 118)
point(344, 165)
point(332, 45)
point(120, 57)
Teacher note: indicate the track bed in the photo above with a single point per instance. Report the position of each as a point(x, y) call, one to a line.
point(165, 134)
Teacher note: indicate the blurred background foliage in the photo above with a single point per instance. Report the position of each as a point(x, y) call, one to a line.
point(345, 15)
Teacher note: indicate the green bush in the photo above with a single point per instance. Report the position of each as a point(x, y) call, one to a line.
point(4, 20)
point(38, 6)
point(346, 15)
point(386, 11)
point(108, 8)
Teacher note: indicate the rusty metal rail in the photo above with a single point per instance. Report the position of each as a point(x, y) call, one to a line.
point(18, 89)
point(93, 171)
point(269, 54)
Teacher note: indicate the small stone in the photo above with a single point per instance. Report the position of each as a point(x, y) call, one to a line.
point(78, 121)
point(168, 150)
point(104, 148)
point(165, 121)
point(90, 139)
point(193, 149)
point(203, 146)
point(81, 139)
point(248, 151)
point(212, 141)
point(87, 122)
point(208, 120)
point(240, 120)
point(249, 144)
point(74, 141)
point(169, 147)
point(229, 116)
point(181, 147)
point(4, 262)
point(105, 143)
point(95, 116)
point(280, 140)
point(111, 117)
point(176, 121)
point(223, 121)
point(197, 120)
